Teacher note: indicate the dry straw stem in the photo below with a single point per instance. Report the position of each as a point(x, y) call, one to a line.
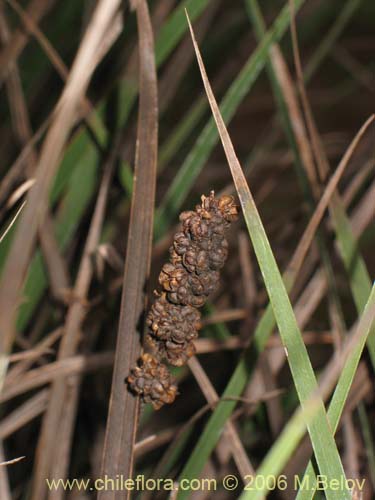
point(16, 169)
point(118, 455)
point(286, 84)
point(19, 192)
point(60, 414)
point(360, 388)
point(23, 366)
point(315, 289)
point(316, 143)
point(23, 414)
point(359, 278)
point(231, 439)
point(154, 441)
point(329, 191)
point(37, 200)
point(31, 26)
point(55, 371)
point(295, 429)
point(205, 346)
point(31, 354)
point(12, 461)
point(316, 146)
point(254, 402)
point(36, 10)
point(307, 152)
point(21, 123)
point(12, 222)
point(4, 483)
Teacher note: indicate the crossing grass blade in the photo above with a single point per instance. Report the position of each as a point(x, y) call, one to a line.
point(241, 374)
point(208, 138)
point(288, 441)
point(353, 261)
point(323, 443)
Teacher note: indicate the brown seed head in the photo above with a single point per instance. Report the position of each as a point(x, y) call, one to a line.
point(152, 381)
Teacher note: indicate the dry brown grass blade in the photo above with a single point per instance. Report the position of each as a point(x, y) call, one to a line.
point(248, 274)
point(36, 10)
point(36, 208)
point(317, 286)
point(31, 26)
point(316, 145)
point(359, 179)
point(32, 354)
point(299, 129)
point(118, 454)
point(352, 449)
point(23, 414)
point(253, 402)
point(12, 461)
point(4, 483)
point(15, 171)
point(23, 366)
point(224, 316)
point(205, 346)
point(19, 192)
point(329, 192)
point(364, 213)
point(21, 122)
point(60, 415)
point(231, 440)
point(54, 371)
point(315, 289)
point(11, 223)
point(154, 441)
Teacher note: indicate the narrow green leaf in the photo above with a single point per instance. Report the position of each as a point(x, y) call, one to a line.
point(321, 436)
point(353, 262)
point(287, 442)
point(241, 374)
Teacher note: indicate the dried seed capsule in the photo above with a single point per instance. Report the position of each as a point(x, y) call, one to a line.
point(219, 256)
point(172, 277)
point(152, 381)
point(184, 296)
point(218, 224)
point(198, 252)
point(178, 354)
point(195, 260)
point(205, 283)
point(228, 208)
point(181, 243)
point(195, 226)
point(170, 322)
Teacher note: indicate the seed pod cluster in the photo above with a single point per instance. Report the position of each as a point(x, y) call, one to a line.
point(198, 253)
point(152, 380)
point(172, 329)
